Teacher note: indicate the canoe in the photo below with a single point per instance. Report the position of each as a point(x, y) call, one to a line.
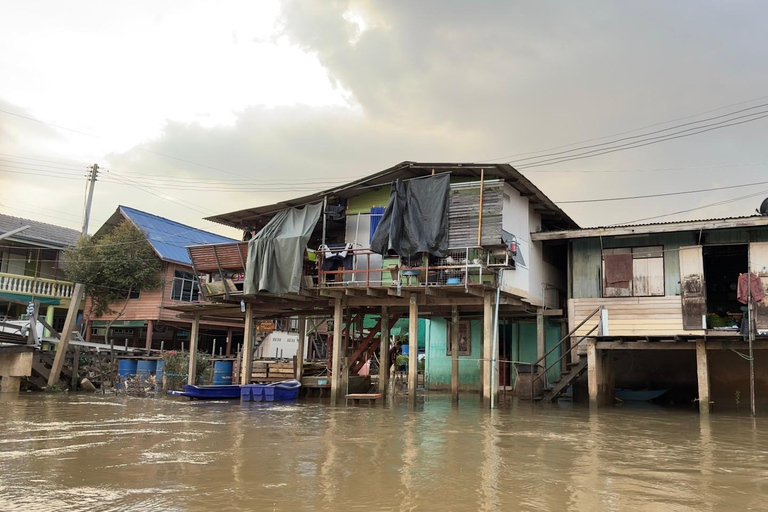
point(208, 392)
point(638, 395)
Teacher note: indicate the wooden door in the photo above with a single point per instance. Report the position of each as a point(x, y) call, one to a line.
point(758, 263)
point(694, 295)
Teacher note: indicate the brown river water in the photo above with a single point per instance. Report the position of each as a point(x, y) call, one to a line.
point(94, 452)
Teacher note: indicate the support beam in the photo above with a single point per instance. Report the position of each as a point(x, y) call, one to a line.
point(541, 335)
point(50, 311)
point(413, 347)
point(228, 350)
point(194, 334)
point(13, 366)
point(246, 365)
point(150, 333)
point(487, 346)
point(384, 351)
point(455, 354)
point(300, 350)
point(66, 333)
point(702, 373)
point(599, 376)
point(339, 349)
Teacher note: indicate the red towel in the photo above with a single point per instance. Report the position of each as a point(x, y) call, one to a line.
point(754, 285)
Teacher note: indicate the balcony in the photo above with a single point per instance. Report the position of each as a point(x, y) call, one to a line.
point(38, 287)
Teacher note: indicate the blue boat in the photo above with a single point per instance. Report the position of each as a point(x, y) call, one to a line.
point(208, 392)
point(638, 395)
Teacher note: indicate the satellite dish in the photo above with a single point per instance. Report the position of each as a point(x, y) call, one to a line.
point(763, 207)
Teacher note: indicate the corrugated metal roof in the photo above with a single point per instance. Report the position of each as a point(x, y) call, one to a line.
point(170, 238)
point(716, 219)
point(39, 232)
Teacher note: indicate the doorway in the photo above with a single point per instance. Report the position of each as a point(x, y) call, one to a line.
point(722, 266)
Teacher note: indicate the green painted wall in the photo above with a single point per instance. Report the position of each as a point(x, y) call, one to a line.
point(523, 337)
point(363, 202)
point(438, 364)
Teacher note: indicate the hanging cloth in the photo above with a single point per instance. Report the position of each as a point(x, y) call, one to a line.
point(750, 283)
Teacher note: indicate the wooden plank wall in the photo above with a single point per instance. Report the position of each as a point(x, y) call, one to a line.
point(632, 316)
point(463, 216)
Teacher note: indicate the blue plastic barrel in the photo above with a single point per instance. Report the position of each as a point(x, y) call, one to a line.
point(222, 373)
point(145, 368)
point(125, 368)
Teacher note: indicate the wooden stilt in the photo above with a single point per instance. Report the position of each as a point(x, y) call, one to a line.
point(246, 364)
point(300, 349)
point(599, 376)
point(454, 341)
point(194, 334)
point(228, 349)
point(338, 352)
point(384, 351)
point(487, 346)
point(66, 333)
point(541, 335)
point(702, 372)
point(413, 348)
point(150, 331)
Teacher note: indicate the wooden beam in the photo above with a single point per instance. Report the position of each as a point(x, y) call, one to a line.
point(455, 354)
point(702, 374)
point(69, 326)
point(194, 334)
point(384, 352)
point(413, 347)
point(300, 350)
point(487, 346)
point(150, 332)
point(246, 366)
point(541, 336)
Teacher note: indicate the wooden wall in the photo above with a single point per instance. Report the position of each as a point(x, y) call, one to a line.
point(631, 316)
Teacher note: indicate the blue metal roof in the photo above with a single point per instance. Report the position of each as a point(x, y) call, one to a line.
point(169, 238)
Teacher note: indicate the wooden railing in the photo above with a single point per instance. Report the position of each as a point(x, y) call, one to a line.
point(39, 287)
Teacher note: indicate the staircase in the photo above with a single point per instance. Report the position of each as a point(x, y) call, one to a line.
point(567, 378)
point(574, 369)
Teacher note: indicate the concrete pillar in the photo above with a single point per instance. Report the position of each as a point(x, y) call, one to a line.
point(339, 351)
point(228, 350)
point(150, 333)
point(487, 346)
point(194, 334)
point(599, 375)
point(13, 366)
point(246, 365)
point(702, 372)
point(49, 314)
point(454, 341)
point(413, 348)
point(384, 351)
point(541, 336)
point(300, 350)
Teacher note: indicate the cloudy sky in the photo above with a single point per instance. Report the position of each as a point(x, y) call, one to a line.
point(194, 108)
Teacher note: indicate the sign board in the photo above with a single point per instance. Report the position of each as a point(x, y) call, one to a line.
point(265, 327)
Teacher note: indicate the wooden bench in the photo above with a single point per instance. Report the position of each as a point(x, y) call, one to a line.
point(368, 397)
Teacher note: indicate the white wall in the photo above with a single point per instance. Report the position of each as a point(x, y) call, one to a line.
point(515, 220)
point(286, 344)
point(361, 234)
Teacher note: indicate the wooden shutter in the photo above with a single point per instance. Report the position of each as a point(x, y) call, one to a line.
point(694, 294)
point(758, 263)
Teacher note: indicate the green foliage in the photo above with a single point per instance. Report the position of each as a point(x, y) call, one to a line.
point(422, 365)
point(176, 368)
point(401, 360)
point(113, 265)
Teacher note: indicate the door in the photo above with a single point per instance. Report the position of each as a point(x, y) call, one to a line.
point(693, 291)
point(758, 263)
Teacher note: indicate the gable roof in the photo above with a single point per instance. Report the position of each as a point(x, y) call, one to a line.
point(39, 233)
point(551, 214)
point(168, 238)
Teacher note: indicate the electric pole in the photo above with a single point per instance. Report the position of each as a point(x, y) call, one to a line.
point(92, 175)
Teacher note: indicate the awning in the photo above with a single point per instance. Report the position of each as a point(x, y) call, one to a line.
point(26, 299)
point(119, 323)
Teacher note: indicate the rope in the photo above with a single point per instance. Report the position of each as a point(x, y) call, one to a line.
point(743, 356)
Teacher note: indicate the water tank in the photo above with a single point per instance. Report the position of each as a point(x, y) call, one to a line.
point(222, 373)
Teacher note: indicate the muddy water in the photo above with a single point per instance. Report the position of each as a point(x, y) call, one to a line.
point(86, 452)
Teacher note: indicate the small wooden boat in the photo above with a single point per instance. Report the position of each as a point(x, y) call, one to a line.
point(638, 395)
point(208, 392)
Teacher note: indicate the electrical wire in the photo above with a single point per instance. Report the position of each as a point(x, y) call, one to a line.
point(664, 194)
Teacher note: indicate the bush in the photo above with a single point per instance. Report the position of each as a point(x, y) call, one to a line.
point(176, 367)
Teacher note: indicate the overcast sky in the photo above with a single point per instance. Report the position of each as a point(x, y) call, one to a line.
point(252, 102)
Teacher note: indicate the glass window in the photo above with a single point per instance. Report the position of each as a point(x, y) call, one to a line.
point(185, 287)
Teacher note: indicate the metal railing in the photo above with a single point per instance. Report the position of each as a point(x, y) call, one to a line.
point(559, 344)
point(461, 267)
point(36, 286)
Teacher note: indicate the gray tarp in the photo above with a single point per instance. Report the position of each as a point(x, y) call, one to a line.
point(416, 218)
point(276, 253)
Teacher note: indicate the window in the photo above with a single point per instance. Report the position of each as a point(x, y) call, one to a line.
point(135, 294)
point(465, 338)
point(633, 272)
point(185, 287)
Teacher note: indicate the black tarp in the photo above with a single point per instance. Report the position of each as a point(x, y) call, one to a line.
point(416, 218)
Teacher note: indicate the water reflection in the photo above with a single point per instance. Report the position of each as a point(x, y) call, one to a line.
point(104, 453)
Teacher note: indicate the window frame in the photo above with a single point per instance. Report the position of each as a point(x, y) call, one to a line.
point(633, 250)
point(188, 284)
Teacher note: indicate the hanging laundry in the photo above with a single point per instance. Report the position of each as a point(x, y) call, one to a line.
point(749, 283)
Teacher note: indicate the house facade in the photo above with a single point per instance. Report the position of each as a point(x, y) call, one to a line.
point(491, 279)
point(147, 319)
point(29, 269)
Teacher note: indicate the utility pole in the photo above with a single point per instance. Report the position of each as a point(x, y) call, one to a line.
point(92, 183)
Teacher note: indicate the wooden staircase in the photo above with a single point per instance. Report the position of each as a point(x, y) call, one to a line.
point(567, 378)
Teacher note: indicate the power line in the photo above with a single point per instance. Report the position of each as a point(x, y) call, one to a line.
point(664, 194)
point(41, 160)
point(662, 169)
point(28, 173)
point(188, 205)
point(49, 124)
point(626, 132)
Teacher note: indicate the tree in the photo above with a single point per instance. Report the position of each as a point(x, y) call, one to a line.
point(113, 266)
